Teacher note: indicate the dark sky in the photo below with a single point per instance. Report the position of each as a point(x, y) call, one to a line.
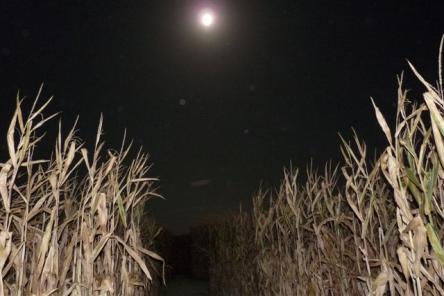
point(272, 82)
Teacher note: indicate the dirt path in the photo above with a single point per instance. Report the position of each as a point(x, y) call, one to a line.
point(182, 286)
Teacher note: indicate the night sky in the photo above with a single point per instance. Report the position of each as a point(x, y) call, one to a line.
point(222, 110)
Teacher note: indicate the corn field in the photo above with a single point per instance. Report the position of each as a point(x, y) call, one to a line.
point(364, 227)
point(70, 224)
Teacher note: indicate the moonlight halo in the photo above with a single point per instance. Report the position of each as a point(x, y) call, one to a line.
point(207, 18)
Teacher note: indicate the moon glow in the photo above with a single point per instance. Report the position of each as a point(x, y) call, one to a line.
point(207, 18)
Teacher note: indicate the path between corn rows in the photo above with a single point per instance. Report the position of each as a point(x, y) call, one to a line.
point(182, 286)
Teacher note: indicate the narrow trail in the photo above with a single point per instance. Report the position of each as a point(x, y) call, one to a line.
point(183, 286)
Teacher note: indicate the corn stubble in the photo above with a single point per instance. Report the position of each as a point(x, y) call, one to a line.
point(63, 234)
point(362, 228)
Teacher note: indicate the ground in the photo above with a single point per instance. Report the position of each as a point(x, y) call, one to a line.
point(182, 286)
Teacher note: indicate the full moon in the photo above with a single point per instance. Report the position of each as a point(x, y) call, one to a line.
point(207, 18)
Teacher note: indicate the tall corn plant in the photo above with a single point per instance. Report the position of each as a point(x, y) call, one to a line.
point(413, 166)
point(63, 234)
